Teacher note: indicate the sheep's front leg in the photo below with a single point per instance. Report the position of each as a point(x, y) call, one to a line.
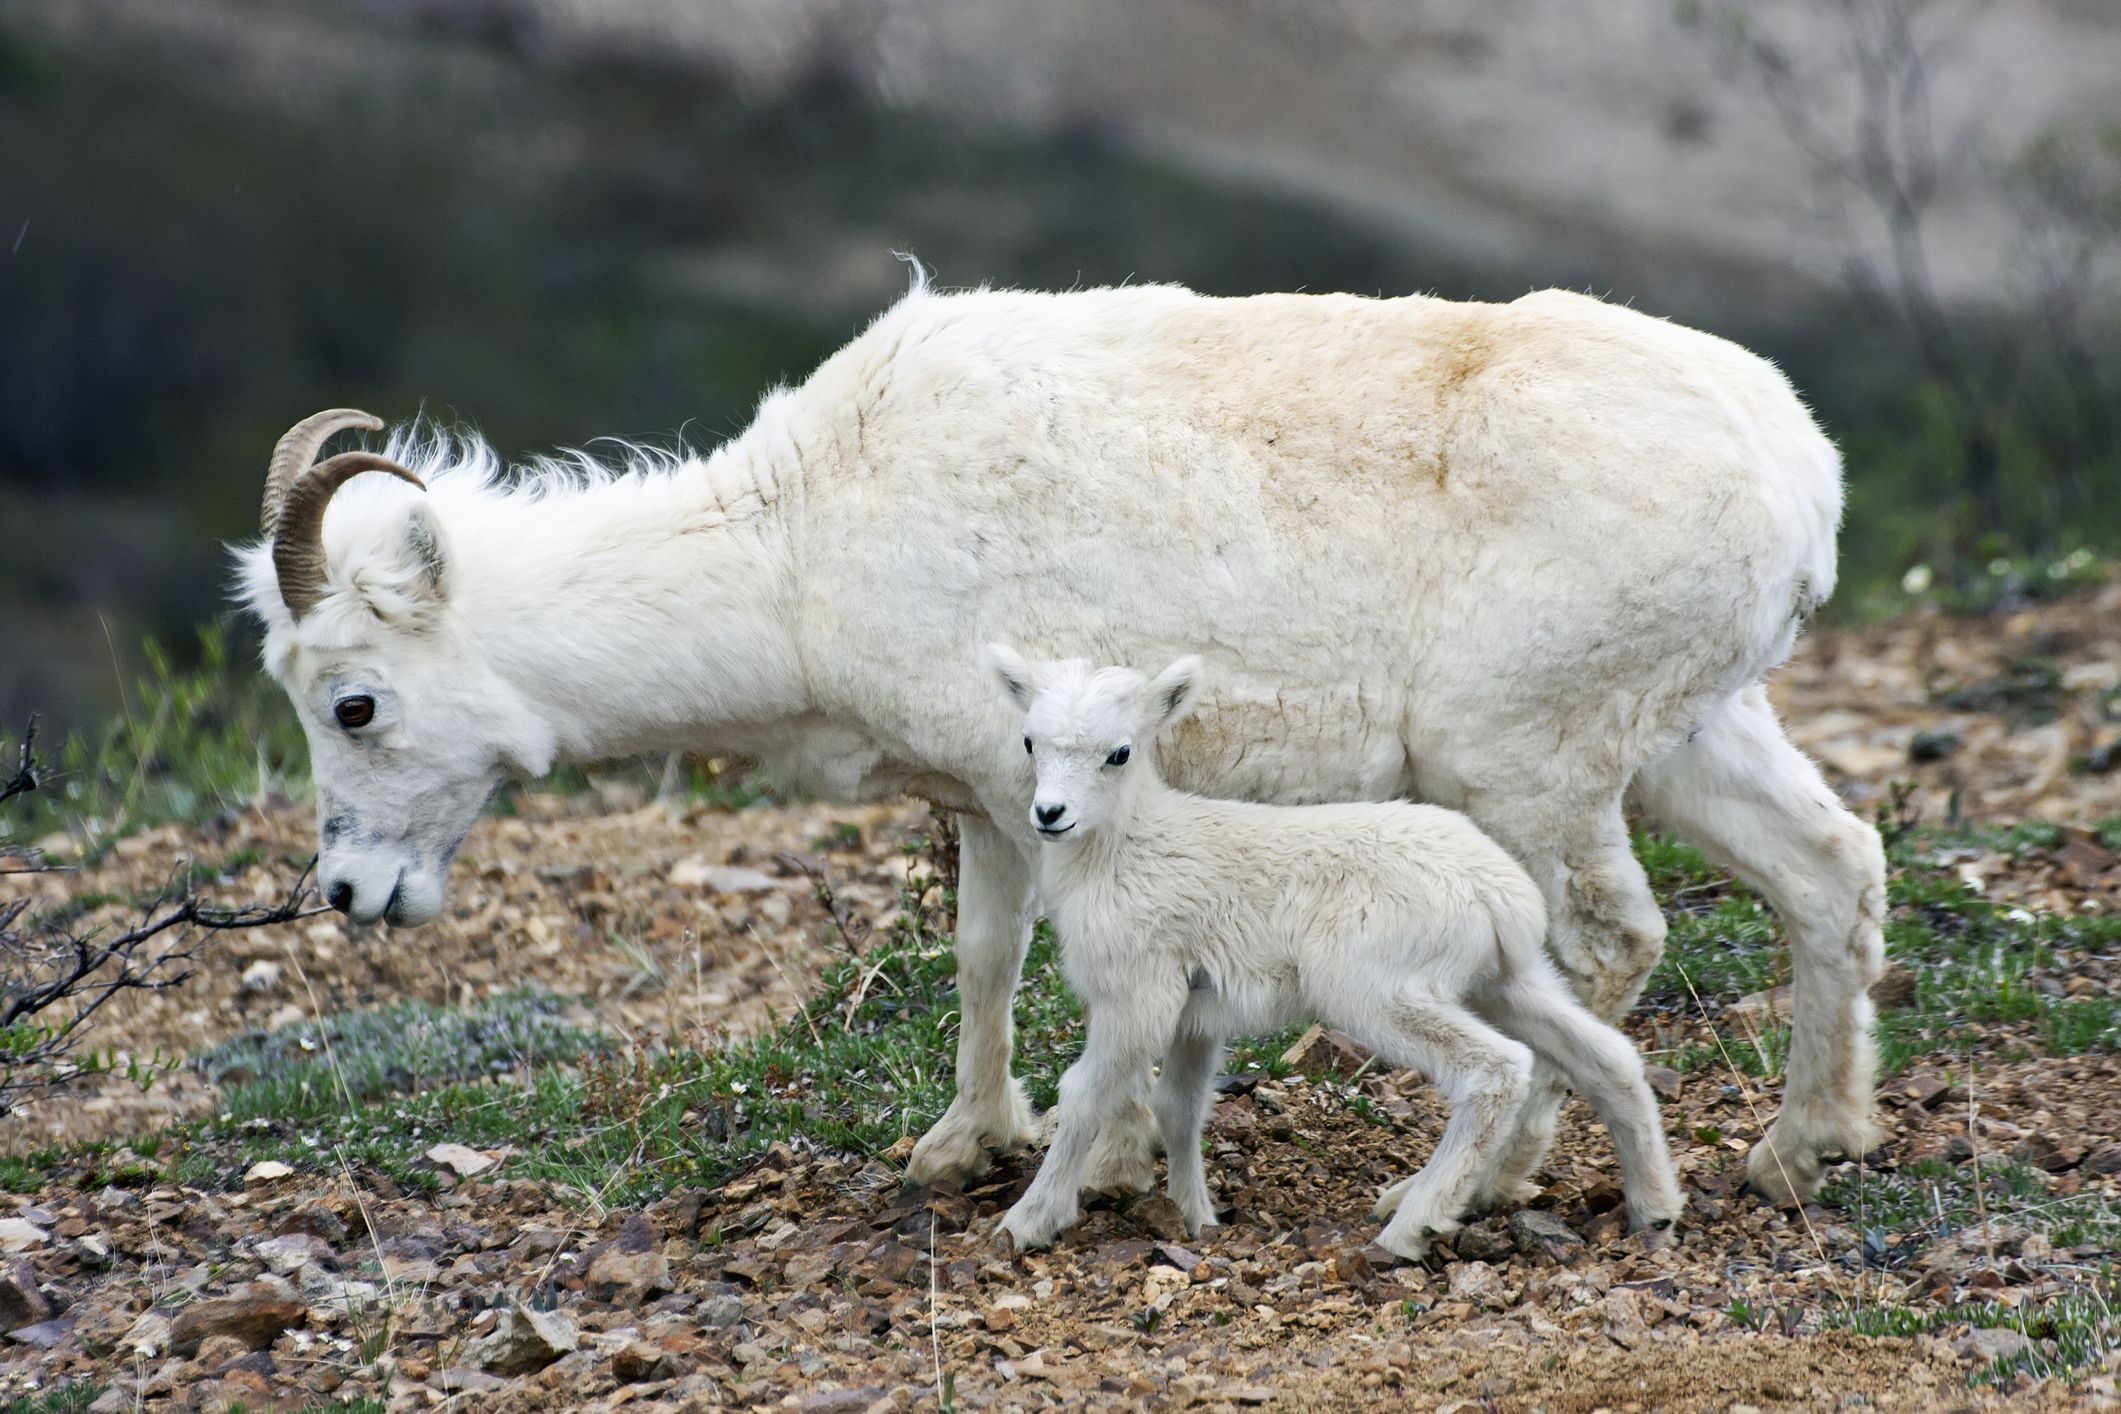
point(1182, 1095)
point(1126, 1033)
point(990, 1110)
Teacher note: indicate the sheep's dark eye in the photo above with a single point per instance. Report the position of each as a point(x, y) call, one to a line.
point(354, 711)
point(1118, 757)
point(1027, 746)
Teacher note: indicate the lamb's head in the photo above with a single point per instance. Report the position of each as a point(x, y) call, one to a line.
point(1088, 733)
point(410, 729)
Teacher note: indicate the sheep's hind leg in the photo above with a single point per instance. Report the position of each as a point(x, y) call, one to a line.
point(1483, 1073)
point(1757, 805)
point(1604, 930)
point(1181, 1103)
point(990, 1110)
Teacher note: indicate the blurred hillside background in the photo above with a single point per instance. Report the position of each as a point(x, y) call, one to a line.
point(560, 219)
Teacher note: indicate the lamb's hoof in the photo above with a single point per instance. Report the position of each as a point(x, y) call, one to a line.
point(1494, 1200)
point(1019, 1231)
point(1195, 1226)
point(1658, 1232)
point(1410, 1233)
point(1412, 1243)
point(957, 1149)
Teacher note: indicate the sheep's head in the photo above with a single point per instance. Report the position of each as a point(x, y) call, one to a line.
point(1088, 733)
point(410, 730)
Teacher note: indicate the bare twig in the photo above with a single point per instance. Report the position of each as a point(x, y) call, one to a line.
point(55, 978)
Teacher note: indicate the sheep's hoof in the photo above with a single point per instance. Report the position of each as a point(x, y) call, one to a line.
point(1124, 1159)
point(956, 1149)
point(1787, 1166)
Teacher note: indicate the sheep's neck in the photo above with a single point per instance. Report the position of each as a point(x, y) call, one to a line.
point(651, 614)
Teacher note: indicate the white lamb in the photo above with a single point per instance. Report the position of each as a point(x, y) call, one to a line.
point(1184, 920)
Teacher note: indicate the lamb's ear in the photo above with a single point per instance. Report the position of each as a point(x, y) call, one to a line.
point(1171, 696)
point(1011, 671)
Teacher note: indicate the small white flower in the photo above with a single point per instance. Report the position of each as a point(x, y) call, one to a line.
point(1916, 580)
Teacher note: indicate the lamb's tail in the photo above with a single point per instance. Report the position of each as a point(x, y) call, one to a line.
point(1519, 914)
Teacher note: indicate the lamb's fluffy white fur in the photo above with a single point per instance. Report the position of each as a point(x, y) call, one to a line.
point(1505, 558)
point(1184, 921)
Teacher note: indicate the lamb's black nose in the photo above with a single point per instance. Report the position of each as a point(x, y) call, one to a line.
point(1047, 814)
point(341, 897)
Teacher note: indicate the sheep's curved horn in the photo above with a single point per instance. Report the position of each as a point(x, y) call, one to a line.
point(299, 448)
point(298, 531)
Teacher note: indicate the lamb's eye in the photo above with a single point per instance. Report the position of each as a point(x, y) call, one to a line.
point(354, 711)
point(1118, 757)
point(1027, 746)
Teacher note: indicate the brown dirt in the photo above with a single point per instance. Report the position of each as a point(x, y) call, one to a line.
point(2030, 695)
point(806, 1279)
point(806, 1283)
point(653, 957)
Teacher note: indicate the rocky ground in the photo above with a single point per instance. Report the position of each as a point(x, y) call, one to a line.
point(150, 1257)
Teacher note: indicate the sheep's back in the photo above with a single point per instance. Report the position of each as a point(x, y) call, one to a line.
point(1411, 537)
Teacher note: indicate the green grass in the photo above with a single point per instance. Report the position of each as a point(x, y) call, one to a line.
point(865, 1063)
point(312, 1068)
point(869, 1060)
point(72, 1397)
point(1906, 1211)
point(1977, 963)
point(190, 743)
point(28, 1172)
point(2072, 1332)
point(1930, 1199)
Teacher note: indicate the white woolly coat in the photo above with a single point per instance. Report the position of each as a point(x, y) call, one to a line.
point(1426, 547)
point(1270, 915)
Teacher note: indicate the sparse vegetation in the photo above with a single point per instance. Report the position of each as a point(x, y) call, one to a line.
point(56, 975)
point(605, 1121)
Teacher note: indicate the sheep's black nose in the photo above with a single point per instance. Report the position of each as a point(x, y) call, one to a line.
point(341, 897)
point(1047, 814)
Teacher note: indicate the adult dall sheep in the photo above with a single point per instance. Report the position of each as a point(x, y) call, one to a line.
point(1510, 559)
point(1184, 921)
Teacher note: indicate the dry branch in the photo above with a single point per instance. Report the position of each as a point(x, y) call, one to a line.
point(55, 977)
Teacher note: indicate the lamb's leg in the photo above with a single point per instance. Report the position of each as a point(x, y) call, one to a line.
point(1183, 1092)
point(1757, 805)
point(1536, 1008)
point(993, 930)
point(1484, 1074)
point(1127, 1032)
point(1604, 929)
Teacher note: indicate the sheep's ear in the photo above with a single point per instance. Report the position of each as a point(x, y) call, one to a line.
point(1011, 671)
point(1171, 695)
point(426, 552)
